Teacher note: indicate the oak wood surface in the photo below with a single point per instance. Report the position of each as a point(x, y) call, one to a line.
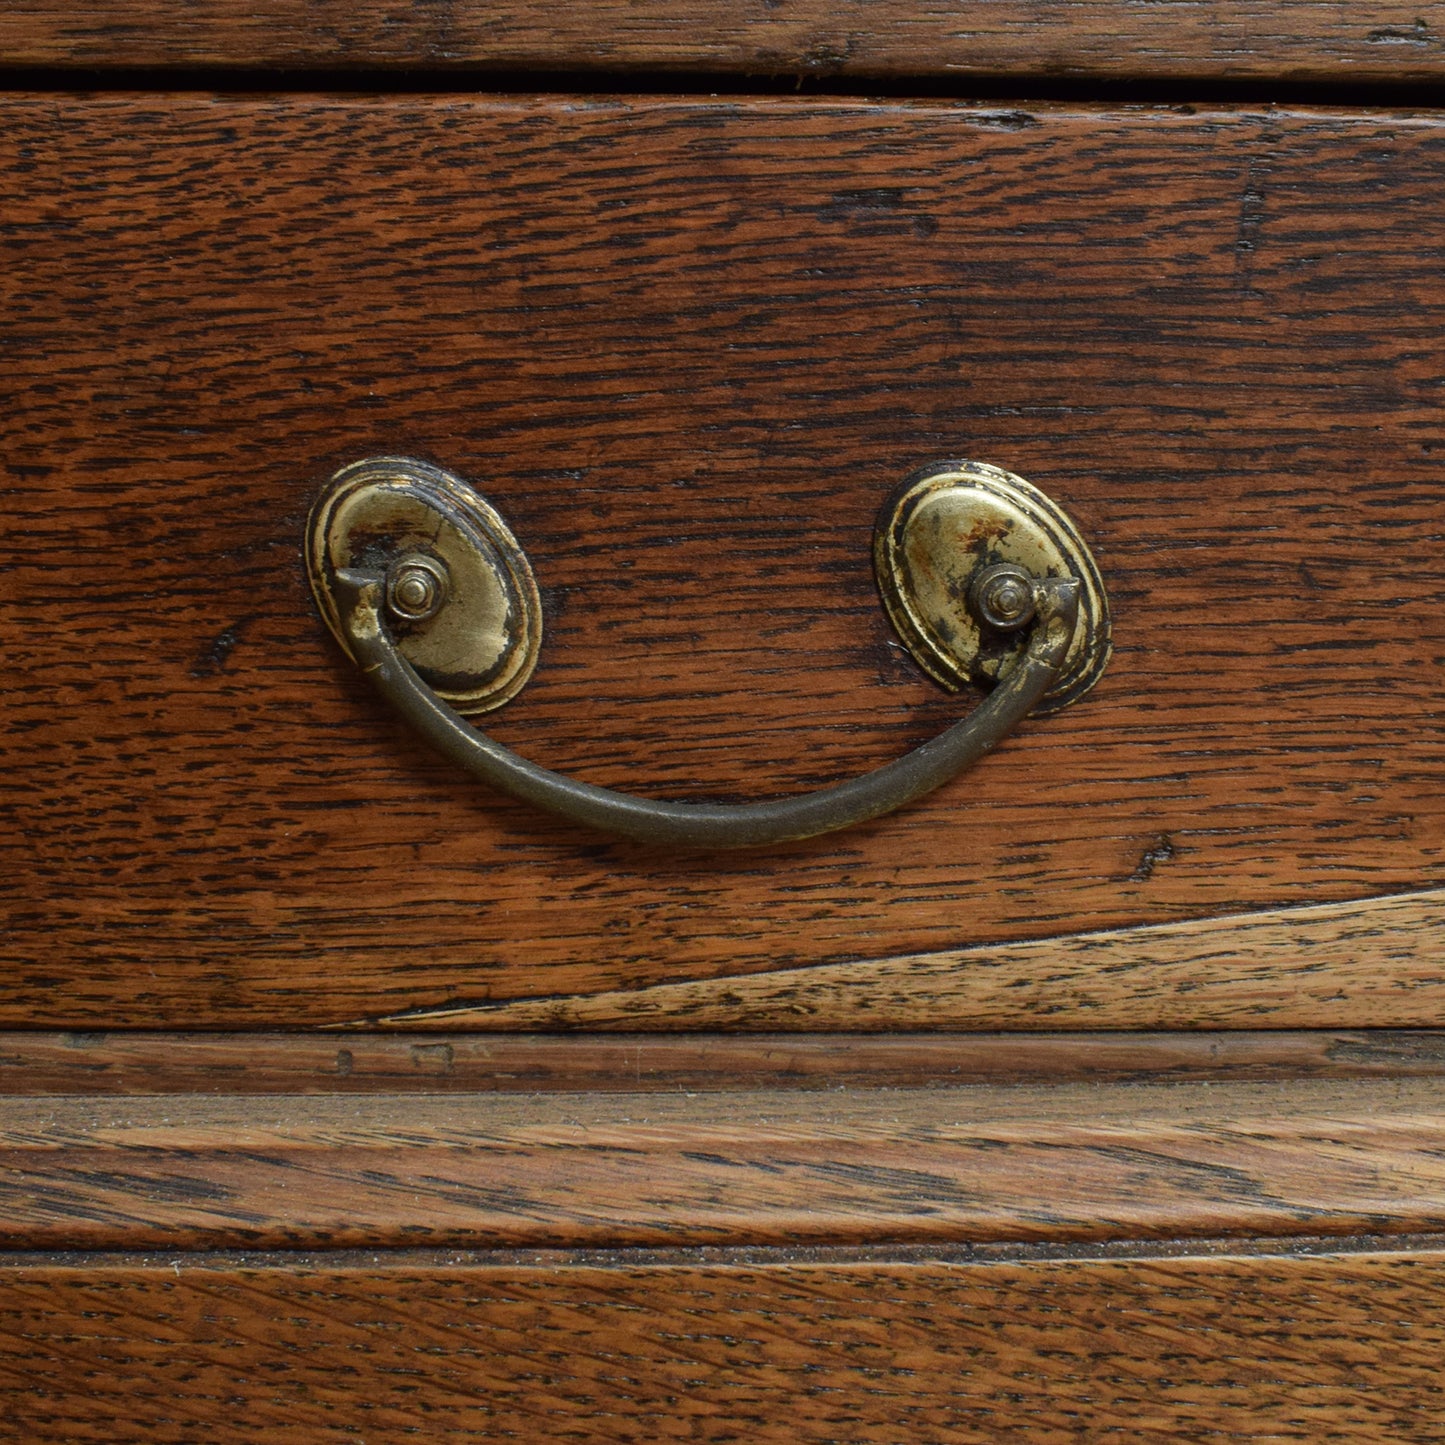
point(1153, 1348)
point(943, 39)
point(1081, 1161)
point(688, 348)
point(1334, 964)
point(330, 1062)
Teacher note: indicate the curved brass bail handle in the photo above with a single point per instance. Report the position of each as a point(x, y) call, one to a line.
point(360, 595)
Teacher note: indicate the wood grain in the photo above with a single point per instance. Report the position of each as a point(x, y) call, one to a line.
point(1151, 1349)
point(943, 39)
point(34, 1063)
point(958, 1165)
point(688, 348)
point(1336, 964)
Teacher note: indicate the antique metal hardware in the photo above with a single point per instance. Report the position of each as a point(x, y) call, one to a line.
point(430, 594)
point(461, 602)
point(962, 531)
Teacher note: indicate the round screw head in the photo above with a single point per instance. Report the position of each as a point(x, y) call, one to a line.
point(1002, 597)
point(416, 587)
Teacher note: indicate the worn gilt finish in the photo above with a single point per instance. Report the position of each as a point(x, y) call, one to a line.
point(463, 605)
point(949, 533)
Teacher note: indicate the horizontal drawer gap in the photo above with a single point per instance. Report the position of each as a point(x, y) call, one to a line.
point(1410, 90)
point(406, 1259)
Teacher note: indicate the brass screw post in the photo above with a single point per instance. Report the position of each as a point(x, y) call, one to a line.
point(1002, 597)
point(416, 587)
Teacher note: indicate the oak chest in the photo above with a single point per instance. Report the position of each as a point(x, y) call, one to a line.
point(722, 405)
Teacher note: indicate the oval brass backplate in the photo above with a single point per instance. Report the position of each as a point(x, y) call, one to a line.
point(940, 532)
point(463, 606)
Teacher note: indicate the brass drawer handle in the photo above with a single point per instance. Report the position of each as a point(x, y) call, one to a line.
point(429, 593)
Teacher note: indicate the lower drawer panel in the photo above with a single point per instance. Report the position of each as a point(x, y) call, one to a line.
point(1229, 1344)
point(1208, 1238)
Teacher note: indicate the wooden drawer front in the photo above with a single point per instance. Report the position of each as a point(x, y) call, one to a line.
point(1224, 1345)
point(688, 348)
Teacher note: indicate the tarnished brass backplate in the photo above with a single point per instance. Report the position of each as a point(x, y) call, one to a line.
point(464, 609)
point(943, 528)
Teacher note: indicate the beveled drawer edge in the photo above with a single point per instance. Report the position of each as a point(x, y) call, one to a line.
point(1373, 963)
point(964, 1165)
